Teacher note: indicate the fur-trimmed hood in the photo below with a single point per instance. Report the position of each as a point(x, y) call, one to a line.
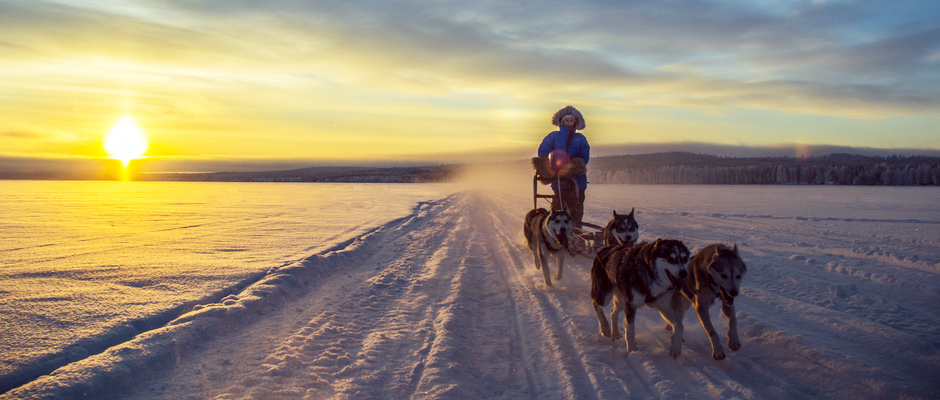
point(544, 171)
point(569, 110)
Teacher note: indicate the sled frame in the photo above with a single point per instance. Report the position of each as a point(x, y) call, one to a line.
point(587, 234)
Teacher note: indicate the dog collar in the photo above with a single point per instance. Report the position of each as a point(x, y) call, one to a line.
point(548, 244)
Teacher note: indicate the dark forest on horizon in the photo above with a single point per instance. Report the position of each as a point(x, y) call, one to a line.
point(654, 168)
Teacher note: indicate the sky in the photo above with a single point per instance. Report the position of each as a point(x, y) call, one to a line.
point(357, 82)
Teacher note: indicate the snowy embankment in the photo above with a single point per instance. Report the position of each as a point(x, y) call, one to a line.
point(85, 266)
point(446, 303)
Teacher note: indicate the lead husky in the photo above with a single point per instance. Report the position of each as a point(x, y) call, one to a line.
point(546, 233)
point(643, 274)
point(714, 272)
point(622, 229)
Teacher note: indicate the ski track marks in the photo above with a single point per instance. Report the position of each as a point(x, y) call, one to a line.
point(857, 314)
point(447, 304)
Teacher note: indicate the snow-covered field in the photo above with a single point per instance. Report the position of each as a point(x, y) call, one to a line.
point(438, 297)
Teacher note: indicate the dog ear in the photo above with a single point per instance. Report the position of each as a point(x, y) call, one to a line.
point(631, 212)
point(715, 264)
point(713, 260)
point(735, 249)
point(615, 213)
point(653, 250)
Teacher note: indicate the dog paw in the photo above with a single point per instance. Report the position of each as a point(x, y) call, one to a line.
point(675, 349)
point(734, 345)
point(557, 277)
point(675, 353)
point(718, 356)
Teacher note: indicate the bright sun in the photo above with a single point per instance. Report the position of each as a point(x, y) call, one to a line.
point(125, 141)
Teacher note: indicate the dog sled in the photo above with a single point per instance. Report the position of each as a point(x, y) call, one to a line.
point(586, 235)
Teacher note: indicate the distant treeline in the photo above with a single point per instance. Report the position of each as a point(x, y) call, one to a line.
point(698, 169)
point(658, 168)
point(426, 174)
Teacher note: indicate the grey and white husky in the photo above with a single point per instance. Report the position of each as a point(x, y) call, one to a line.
point(622, 229)
point(715, 272)
point(546, 233)
point(633, 276)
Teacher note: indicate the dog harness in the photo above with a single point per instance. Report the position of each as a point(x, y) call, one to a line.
point(669, 288)
point(713, 286)
point(549, 245)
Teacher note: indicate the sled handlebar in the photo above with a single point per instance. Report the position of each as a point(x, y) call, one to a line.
point(558, 179)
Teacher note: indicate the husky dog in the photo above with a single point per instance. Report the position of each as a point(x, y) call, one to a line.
point(642, 274)
point(715, 272)
point(546, 233)
point(622, 229)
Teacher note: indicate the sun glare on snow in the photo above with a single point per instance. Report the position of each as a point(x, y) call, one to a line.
point(125, 141)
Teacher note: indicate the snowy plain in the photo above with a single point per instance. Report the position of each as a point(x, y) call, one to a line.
point(428, 291)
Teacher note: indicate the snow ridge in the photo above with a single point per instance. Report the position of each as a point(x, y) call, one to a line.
point(446, 304)
point(120, 357)
point(114, 336)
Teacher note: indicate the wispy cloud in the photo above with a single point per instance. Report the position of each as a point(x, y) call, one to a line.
point(291, 65)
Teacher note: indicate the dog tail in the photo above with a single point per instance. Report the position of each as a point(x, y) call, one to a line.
point(601, 285)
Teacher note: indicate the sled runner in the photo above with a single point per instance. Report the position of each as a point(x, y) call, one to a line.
point(586, 235)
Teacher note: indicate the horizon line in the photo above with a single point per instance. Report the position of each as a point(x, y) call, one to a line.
point(177, 164)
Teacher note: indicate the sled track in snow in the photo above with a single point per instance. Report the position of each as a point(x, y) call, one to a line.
point(425, 307)
point(446, 303)
point(551, 336)
point(524, 290)
point(438, 306)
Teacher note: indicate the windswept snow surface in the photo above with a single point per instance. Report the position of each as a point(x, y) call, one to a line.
point(85, 265)
point(839, 301)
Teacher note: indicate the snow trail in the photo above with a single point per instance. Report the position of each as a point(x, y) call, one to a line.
point(447, 304)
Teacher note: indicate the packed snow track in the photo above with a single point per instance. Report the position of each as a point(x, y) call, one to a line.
point(447, 304)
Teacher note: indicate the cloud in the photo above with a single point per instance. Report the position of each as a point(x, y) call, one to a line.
point(552, 49)
point(286, 69)
point(20, 135)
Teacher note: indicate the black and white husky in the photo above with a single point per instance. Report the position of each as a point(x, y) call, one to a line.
point(633, 276)
point(715, 272)
point(622, 229)
point(546, 233)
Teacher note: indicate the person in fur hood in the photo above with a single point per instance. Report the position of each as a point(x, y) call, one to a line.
point(566, 152)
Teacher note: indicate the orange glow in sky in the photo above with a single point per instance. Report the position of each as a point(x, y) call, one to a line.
point(454, 81)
